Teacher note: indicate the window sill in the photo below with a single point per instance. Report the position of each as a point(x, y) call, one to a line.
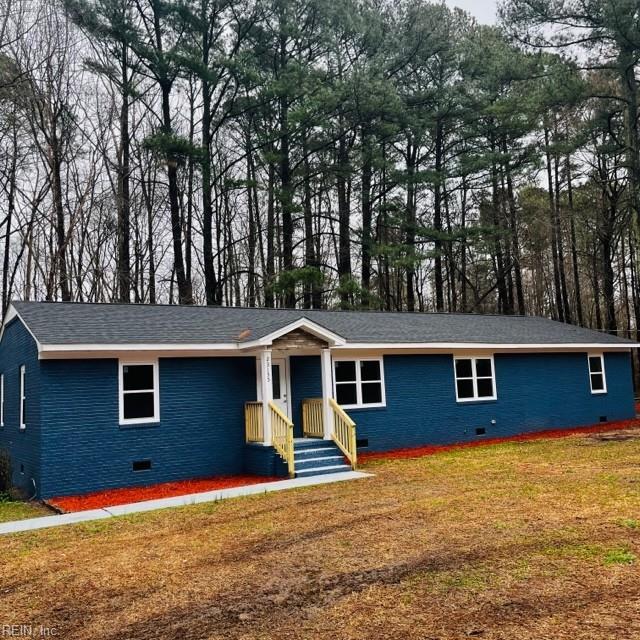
point(599, 393)
point(477, 400)
point(141, 424)
point(354, 407)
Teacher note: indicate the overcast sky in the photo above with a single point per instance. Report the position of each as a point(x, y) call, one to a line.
point(483, 10)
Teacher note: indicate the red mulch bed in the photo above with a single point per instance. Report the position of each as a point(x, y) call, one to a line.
point(127, 495)
point(418, 452)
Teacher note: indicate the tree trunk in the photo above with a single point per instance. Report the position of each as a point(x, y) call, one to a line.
point(410, 224)
point(344, 220)
point(463, 247)
point(559, 309)
point(309, 247)
point(574, 249)
point(437, 216)
point(559, 241)
point(185, 293)
point(251, 244)
point(61, 236)
point(608, 278)
point(513, 225)
point(596, 287)
point(367, 171)
point(627, 61)
point(123, 205)
point(11, 203)
point(271, 230)
point(501, 283)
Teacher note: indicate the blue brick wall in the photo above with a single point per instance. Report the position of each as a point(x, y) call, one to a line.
point(535, 392)
point(263, 461)
point(19, 348)
point(200, 433)
point(306, 382)
point(73, 412)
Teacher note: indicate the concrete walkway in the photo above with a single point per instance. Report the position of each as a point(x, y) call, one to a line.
point(178, 501)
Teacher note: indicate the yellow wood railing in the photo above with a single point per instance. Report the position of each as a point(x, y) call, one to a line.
point(344, 432)
point(282, 436)
point(253, 428)
point(312, 418)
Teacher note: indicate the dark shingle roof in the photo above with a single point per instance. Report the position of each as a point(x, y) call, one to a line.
point(56, 323)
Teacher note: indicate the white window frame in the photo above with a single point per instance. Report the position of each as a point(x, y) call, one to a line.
point(23, 396)
point(156, 392)
point(358, 382)
point(597, 392)
point(474, 377)
point(1, 400)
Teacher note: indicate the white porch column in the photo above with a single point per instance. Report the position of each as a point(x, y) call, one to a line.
point(266, 388)
point(327, 391)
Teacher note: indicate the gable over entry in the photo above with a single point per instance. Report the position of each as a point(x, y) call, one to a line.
point(303, 330)
point(299, 341)
point(302, 337)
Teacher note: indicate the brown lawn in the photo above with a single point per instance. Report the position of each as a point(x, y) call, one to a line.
point(514, 541)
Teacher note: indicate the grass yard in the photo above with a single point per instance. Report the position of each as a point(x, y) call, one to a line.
point(15, 510)
point(536, 540)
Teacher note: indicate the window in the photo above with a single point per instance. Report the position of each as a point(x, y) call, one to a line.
point(475, 379)
point(23, 398)
point(597, 377)
point(359, 383)
point(2, 400)
point(139, 398)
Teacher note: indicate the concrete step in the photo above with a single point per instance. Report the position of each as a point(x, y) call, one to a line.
point(308, 443)
point(320, 471)
point(314, 463)
point(315, 452)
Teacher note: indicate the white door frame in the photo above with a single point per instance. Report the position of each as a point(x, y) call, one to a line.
point(283, 361)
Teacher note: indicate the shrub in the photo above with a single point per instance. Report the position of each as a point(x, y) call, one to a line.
point(5, 471)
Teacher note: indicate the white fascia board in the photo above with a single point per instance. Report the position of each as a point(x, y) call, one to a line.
point(303, 323)
point(59, 351)
point(478, 346)
point(9, 316)
point(69, 351)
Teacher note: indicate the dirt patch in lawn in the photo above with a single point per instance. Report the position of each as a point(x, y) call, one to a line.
point(627, 434)
point(523, 540)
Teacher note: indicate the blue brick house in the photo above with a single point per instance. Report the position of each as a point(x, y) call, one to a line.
point(97, 396)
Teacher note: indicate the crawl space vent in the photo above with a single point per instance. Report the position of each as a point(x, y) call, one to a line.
point(141, 465)
point(603, 418)
point(480, 431)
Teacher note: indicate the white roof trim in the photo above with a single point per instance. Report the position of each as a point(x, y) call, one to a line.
point(490, 346)
point(9, 316)
point(309, 326)
point(70, 348)
point(91, 351)
point(79, 351)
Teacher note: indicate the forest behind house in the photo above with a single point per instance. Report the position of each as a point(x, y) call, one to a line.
point(361, 154)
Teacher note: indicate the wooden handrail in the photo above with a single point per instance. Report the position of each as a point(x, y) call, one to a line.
point(312, 418)
point(344, 432)
point(253, 427)
point(282, 437)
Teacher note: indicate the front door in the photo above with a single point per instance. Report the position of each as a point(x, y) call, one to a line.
point(279, 381)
